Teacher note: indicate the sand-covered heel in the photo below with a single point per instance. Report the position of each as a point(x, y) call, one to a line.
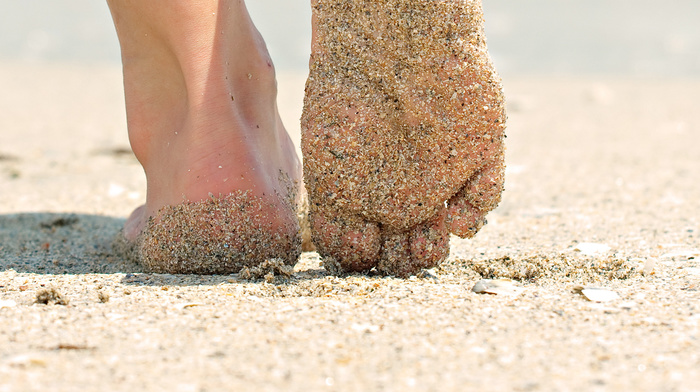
point(219, 235)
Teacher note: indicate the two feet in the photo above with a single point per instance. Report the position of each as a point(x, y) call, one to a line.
point(402, 138)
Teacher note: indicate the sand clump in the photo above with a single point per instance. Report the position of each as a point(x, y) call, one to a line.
point(403, 122)
point(268, 270)
point(549, 268)
point(50, 296)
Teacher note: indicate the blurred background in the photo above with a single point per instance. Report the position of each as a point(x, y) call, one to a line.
point(533, 37)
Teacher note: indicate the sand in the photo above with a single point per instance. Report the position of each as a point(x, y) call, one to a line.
point(601, 191)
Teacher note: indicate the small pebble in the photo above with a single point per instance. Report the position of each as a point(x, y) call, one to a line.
point(188, 305)
point(50, 296)
point(102, 296)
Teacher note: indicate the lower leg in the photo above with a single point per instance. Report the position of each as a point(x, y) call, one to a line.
point(202, 118)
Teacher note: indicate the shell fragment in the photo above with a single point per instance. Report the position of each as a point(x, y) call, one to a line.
point(596, 294)
point(7, 304)
point(497, 287)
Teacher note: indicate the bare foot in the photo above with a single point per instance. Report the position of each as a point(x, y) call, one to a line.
point(402, 131)
point(222, 173)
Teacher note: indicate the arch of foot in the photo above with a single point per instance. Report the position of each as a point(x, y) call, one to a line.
point(403, 130)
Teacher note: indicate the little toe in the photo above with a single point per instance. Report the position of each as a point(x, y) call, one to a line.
point(351, 242)
point(463, 218)
point(467, 209)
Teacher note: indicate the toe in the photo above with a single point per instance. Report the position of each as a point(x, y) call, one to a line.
point(463, 218)
point(353, 244)
point(467, 209)
point(424, 246)
point(396, 255)
point(430, 242)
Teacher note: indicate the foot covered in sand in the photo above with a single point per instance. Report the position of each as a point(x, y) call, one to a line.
point(223, 178)
point(402, 132)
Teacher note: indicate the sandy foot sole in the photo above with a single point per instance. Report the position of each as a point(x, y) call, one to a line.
point(402, 131)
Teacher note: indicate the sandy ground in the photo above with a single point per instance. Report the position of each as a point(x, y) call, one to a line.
point(602, 191)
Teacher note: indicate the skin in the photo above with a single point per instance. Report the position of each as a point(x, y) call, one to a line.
point(402, 132)
point(402, 135)
point(203, 122)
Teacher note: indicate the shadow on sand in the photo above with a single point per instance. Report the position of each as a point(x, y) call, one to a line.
point(53, 243)
point(60, 244)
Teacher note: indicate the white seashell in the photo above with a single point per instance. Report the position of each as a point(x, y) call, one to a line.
point(595, 294)
point(591, 248)
point(7, 304)
point(497, 287)
point(649, 266)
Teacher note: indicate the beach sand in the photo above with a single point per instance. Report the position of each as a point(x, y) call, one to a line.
point(601, 191)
